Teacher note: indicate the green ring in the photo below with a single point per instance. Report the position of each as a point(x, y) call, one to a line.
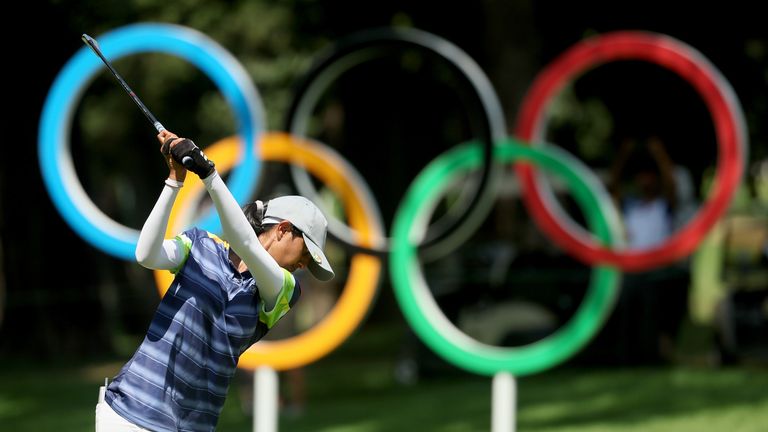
point(418, 304)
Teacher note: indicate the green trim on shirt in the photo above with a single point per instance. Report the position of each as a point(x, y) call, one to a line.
point(282, 304)
point(186, 245)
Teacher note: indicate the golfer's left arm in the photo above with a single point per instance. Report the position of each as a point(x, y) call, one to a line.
point(269, 276)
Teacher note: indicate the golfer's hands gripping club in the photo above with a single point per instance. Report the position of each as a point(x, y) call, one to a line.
point(185, 152)
point(177, 171)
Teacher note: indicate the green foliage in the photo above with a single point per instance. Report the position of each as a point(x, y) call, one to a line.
point(261, 35)
point(588, 121)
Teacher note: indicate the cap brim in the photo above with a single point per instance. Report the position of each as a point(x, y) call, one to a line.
point(319, 266)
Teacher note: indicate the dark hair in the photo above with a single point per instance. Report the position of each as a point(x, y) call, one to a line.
point(254, 212)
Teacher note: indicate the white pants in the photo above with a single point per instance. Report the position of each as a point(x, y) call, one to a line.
point(107, 420)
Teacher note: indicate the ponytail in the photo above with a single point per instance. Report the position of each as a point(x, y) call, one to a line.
point(254, 212)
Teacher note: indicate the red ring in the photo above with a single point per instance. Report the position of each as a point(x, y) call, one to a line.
point(720, 100)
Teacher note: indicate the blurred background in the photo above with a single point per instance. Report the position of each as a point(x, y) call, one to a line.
point(686, 347)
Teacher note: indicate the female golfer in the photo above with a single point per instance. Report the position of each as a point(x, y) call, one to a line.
point(225, 296)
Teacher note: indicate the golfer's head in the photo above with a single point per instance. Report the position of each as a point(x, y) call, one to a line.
point(308, 224)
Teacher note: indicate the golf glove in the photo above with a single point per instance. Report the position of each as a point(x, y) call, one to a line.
point(190, 155)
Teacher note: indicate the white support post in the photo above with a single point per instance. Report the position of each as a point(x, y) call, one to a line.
point(265, 397)
point(504, 403)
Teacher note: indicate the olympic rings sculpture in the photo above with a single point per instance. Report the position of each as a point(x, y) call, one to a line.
point(364, 232)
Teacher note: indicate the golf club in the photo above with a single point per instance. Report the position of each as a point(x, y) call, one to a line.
point(91, 42)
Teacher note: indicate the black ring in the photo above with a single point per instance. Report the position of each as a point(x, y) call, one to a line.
point(494, 128)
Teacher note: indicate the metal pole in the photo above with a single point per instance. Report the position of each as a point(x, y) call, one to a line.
point(265, 396)
point(504, 403)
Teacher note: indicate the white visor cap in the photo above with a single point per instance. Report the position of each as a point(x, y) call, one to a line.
point(305, 216)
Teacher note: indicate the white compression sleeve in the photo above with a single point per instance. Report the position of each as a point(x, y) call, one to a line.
point(243, 240)
point(152, 250)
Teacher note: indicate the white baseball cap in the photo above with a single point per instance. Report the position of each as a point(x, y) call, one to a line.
point(305, 216)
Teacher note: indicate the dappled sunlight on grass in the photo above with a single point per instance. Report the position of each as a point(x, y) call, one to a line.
point(354, 390)
point(14, 406)
point(654, 398)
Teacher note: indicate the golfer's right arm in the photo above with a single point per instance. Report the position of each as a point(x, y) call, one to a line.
point(153, 251)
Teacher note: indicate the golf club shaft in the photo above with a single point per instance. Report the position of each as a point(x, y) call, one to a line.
point(91, 42)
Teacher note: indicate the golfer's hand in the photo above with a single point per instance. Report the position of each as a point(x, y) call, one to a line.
point(176, 170)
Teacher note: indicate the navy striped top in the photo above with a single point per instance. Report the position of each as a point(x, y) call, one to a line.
point(178, 378)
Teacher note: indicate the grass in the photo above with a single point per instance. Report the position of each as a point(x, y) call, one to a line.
point(353, 390)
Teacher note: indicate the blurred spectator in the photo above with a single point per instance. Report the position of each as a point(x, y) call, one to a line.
point(648, 201)
point(656, 198)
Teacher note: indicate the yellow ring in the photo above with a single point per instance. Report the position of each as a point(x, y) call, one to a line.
point(364, 272)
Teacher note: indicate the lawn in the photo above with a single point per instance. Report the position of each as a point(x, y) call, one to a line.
point(354, 390)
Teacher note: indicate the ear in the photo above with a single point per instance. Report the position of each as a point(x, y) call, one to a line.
point(283, 228)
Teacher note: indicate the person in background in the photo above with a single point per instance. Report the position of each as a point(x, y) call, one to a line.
point(649, 200)
point(654, 197)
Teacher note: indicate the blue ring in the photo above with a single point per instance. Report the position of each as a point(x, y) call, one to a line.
point(54, 130)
